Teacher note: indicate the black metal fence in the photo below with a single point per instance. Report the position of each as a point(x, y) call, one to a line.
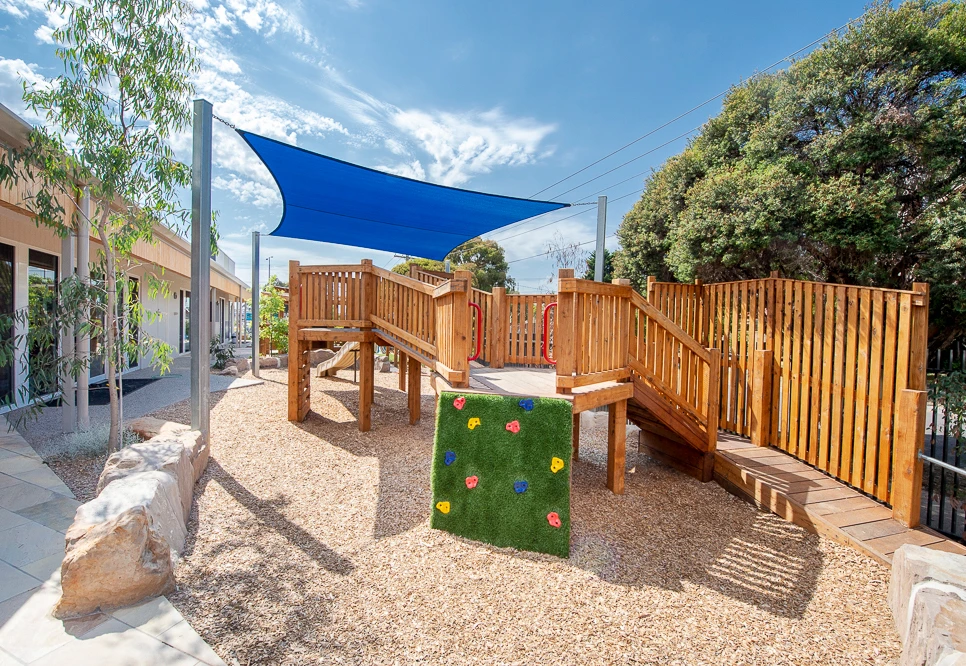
point(944, 463)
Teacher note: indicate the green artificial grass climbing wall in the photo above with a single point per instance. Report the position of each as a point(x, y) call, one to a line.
point(501, 471)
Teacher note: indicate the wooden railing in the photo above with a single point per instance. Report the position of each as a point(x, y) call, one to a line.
point(524, 328)
point(428, 323)
point(832, 374)
point(674, 376)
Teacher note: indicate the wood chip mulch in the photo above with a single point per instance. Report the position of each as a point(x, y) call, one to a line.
point(310, 544)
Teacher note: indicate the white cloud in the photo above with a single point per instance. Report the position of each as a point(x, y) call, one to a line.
point(13, 74)
point(248, 191)
point(468, 144)
point(412, 169)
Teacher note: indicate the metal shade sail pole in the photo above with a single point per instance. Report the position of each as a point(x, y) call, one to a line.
point(256, 239)
point(601, 234)
point(200, 268)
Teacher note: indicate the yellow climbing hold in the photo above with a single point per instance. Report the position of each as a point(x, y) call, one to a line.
point(475, 421)
point(556, 464)
point(443, 507)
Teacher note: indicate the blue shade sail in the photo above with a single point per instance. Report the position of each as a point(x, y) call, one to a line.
point(325, 199)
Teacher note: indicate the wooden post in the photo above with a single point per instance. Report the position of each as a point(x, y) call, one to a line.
point(462, 328)
point(367, 379)
point(498, 329)
point(918, 336)
point(774, 274)
point(295, 394)
point(402, 362)
point(712, 397)
point(906, 464)
point(761, 397)
point(702, 332)
point(649, 296)
point(415, 388)
point(564, 344)
point(616, 445)
point(576, 436)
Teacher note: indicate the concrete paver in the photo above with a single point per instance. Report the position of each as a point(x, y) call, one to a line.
point(33, 520)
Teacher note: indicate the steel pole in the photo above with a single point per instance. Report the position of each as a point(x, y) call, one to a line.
point(601, 234)
point(200, 268)
point(256, 239)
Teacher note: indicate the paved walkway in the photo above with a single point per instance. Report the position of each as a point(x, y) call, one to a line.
point(174, 386)
point(36, 508)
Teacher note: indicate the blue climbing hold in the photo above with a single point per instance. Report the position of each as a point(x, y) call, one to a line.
point(527, 404)
point(520, 486)
point(449, 457)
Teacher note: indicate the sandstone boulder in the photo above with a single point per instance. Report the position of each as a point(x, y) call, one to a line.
point(317, 356)
point(122, 545)
point(165, 453)
point(282, 361)
point(242, 364)
point(927, 595)
point(267, 362)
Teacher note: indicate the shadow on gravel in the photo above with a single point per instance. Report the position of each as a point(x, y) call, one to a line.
point(669, 530)
point(268, 513)
point(403, 451)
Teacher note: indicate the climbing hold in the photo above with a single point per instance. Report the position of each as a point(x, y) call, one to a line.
point(513, 426)
point(443, 507)
point(520, 486)
point(527, 404)
point(449, 457)
point(553, 519)
point(459, 402)
point(471, 482)
point(475, 421)
point(556, 464)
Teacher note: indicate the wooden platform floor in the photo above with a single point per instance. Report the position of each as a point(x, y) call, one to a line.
point(538, 383)
point(776, 481)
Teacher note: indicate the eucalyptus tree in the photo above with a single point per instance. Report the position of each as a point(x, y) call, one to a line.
point(109, 116)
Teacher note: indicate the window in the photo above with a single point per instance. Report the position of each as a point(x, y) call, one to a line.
point(41, 304)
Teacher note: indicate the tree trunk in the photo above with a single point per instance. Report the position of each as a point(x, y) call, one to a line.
point(110, 322)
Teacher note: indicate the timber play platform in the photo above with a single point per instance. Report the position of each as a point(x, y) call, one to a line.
point(821, 388)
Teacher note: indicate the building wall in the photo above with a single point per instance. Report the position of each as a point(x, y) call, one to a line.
point(164, 323)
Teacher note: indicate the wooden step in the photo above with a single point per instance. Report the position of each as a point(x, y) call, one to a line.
point(666, 446)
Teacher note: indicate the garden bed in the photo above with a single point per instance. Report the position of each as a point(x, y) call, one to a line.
point(311, 542)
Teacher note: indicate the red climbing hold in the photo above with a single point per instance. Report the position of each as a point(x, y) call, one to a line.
point(553, 519)
point(459, 402)
point(471, 481)
point(513, 426)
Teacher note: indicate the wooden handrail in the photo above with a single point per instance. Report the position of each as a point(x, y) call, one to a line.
point(679, 333)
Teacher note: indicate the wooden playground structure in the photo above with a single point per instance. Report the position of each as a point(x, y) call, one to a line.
point(807, 398)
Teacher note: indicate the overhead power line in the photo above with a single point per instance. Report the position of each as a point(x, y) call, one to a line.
point(542, 226)
point(691, 110)
point(544, 254)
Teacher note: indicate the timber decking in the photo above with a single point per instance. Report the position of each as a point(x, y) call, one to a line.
point(538, 383)
point(803, 495)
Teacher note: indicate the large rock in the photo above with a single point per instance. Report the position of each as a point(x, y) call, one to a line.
point(927, 595)
point(317, 356)
point(122, 545)
point(268, 362)
point(282, 361)
point(242, 364)
point(165, 453)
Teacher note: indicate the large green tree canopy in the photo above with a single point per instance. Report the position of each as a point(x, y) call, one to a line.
point(849, 166)
point(484, 258)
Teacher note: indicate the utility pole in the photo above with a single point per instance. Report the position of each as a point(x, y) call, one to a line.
point(201, 268)
point(601, 234)
point(255, 292)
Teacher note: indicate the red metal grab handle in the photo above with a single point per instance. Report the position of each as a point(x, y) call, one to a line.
point(479, 331)
point(546, 325)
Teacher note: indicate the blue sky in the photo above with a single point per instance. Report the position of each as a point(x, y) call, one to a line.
point(503, 97)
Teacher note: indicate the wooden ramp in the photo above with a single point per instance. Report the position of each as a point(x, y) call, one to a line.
point(803, 495)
